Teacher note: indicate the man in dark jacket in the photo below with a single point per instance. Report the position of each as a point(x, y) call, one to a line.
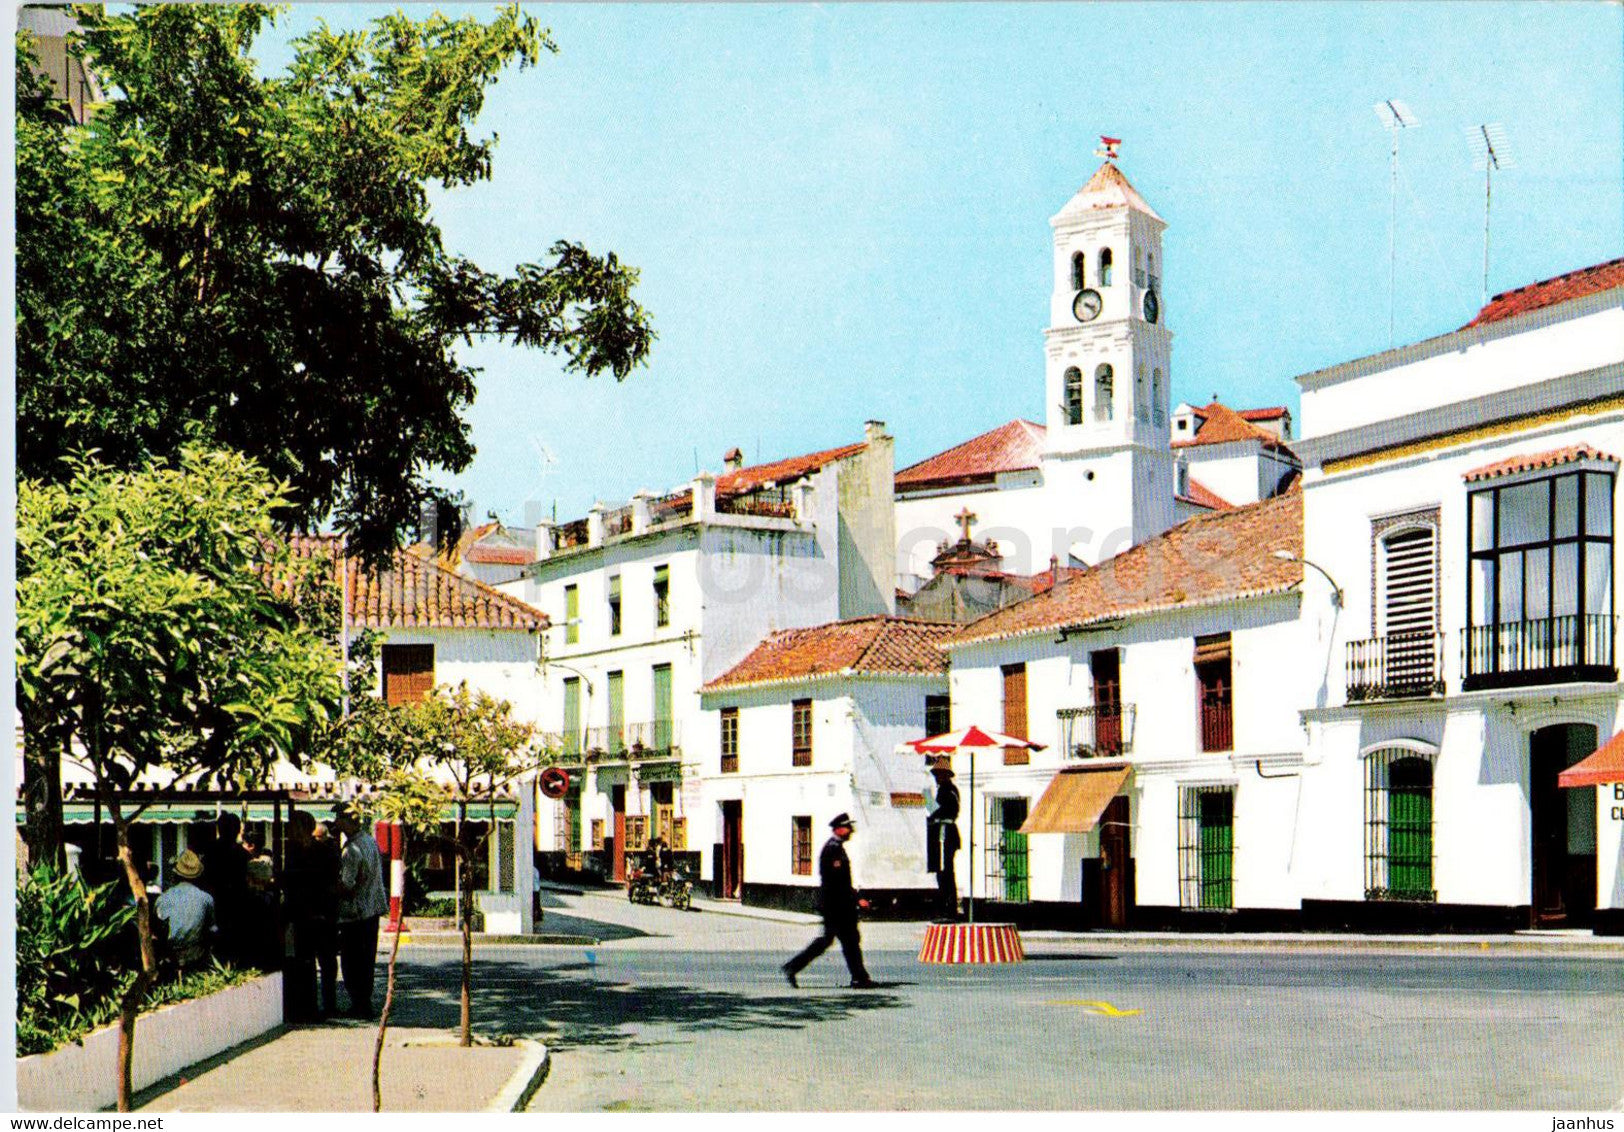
point(942, 830)
point(838, 902)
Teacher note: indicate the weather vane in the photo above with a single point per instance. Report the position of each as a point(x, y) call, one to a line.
point(1108, 148)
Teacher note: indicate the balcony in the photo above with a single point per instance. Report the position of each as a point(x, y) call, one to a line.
point(772, 502)
point(1549, 650)
point(1097, 732)
point(652, 740)
point(1395, 667)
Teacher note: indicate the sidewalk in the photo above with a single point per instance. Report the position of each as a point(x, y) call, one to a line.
point(329, 1069)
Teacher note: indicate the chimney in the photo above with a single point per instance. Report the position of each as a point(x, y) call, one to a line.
point(733, 459)
point(873, 430)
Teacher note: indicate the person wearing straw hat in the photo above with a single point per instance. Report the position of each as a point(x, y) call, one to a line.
point(942, 830)
point(187, 912)
point(838, 902)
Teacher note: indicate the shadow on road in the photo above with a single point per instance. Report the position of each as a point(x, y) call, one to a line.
point(564, 924)
point(580, 1005)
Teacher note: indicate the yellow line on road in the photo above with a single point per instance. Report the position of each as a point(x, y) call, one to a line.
point(1104, 1009)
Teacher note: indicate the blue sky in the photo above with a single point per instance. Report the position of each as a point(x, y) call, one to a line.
point(841, 212)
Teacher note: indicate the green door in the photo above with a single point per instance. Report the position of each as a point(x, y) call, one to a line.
point(1012, 851)
point(617, 713)
point(660, 738)
point(1217, 849)
point(1409, 830)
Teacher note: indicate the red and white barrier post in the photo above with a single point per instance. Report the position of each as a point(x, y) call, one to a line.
point(392, 845)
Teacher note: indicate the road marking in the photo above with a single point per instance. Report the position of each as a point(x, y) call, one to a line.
point(1105, 1009)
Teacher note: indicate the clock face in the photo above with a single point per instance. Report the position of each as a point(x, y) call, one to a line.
point(1086, 306)
point(1153, 306)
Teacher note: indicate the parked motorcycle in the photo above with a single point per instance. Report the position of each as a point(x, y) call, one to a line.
point(642, 887)
point(677, 890)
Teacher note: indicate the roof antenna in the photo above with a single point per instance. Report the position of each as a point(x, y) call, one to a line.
point(1395, 116)
point(1490, 151)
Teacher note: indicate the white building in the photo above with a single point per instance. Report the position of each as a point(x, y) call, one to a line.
point(651, 600)
point(1163, 684)
point(1462, 493)
point(807, 727)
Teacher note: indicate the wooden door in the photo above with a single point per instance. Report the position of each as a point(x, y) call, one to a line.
point(617, 797)
point(732, 850)
point(1106, 666)
point(1116, 894)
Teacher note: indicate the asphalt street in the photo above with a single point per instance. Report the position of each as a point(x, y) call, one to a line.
point(688, 1011)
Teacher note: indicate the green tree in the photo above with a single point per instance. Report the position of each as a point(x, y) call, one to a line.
point(250, 261)
point(160, 629)
point(470, 746)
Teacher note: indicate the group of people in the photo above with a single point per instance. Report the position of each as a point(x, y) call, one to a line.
point(222, 903)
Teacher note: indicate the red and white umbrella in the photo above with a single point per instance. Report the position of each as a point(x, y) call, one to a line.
point(970, 738)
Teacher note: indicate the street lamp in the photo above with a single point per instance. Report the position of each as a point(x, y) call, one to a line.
point(1293, 556)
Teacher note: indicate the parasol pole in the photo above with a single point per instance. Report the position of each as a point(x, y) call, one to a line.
point(973, 812)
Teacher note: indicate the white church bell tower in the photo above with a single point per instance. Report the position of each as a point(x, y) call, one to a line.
point(1107, 367)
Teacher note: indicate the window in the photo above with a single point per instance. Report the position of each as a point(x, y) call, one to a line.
point(572, 715)
point(1138, 268)
point(1181, 475)
point(1103, 393)
point(1105, 666)
point(662, 736)
point(1214, 690)
point(572, 614)
point(1207, 847)
point(637, 832)
point(1540, 586)
point(1074, 395)
point(1157, 412)
point(617, 713)
point(614, 606)
point(801, 845)
point(1104, 272)
point(1079, 264)
point(801, 733)
point(1398, 826)
point(938, 715)
point(662, 596)
point(597, 834)
point(730, 740)
point(408, 673)
point(1015, 712)
point(1140, 403)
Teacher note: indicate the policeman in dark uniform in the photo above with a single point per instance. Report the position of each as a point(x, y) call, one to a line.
point(838, 901)
point(942, 829)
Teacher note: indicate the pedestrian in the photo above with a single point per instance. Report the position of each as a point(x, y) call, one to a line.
point(942, 832)
point(838, 901)
point(225, 877)
point(310, 890)
point(361, 900)
point(188, 914)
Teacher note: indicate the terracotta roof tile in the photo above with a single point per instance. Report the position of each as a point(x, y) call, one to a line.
point(1203, 496)
point(1107, 188)
point(1223, 425)
point(1225, 555)
point(418, 592)
point(1272, 413)
point(1549, 292)
point(867, 646)
point(782, 471)
point(1538, 460)
point(1013, 447)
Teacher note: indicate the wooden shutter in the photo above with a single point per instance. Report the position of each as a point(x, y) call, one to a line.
point(408, 673)
point(617, 712)
point(1015, 712)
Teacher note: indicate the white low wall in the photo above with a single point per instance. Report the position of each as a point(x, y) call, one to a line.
point(83, 1078)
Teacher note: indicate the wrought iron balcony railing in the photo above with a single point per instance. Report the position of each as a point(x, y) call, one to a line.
point(1096, 731)
point(656, 737)
point(1549, 650)
point(1397, 666)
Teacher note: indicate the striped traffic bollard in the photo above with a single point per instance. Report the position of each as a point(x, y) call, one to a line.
point(971, 943)
point(392, 844)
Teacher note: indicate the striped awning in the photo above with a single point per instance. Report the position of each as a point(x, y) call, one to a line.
point(1075, 799)
point(1605, 765)
point(186, 813)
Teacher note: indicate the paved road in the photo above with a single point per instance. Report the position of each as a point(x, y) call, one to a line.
point(682, 1012)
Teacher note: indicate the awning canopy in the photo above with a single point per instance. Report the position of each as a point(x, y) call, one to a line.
point(1075, 799)
point(1605, 765)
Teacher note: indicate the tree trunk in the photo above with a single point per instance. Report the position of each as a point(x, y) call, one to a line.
point(465, 880)
point(388, 1001)
point(130, 1006)
point(42, 800)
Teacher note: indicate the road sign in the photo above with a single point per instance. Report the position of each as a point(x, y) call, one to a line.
point(555, 781)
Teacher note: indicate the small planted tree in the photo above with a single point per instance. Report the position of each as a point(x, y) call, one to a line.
point(469, 746)
point(152, 642)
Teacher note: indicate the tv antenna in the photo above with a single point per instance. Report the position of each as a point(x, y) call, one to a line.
point(1490, 152)
point(1395, 117)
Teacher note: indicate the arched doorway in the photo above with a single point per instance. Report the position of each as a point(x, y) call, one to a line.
point(1563, 828)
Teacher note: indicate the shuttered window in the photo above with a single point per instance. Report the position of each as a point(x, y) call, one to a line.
point(801, 845)
point(572, 715)
point(1215, 692)
point(617, 713)
point(1015, 712)
point(572, 615)
point(801, 733)
point(730, 740)
point(408, 673)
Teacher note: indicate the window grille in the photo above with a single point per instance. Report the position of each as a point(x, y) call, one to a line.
point(1398, 826)
point(801, 845)
point(1207, 847)
point(801, 733)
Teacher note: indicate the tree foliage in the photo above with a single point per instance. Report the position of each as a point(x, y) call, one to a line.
point(250, 261)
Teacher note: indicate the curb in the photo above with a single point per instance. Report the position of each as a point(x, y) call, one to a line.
point(526, 1079)
point(1384, 945)
point(481, 939)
